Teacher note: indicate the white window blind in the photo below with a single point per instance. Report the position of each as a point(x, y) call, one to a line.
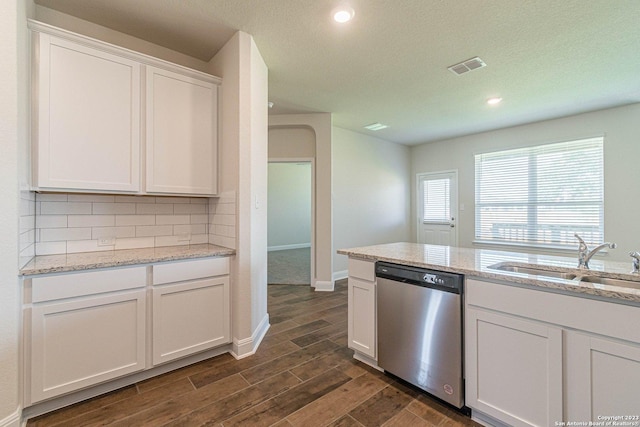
point(436, 198)
point(541, 195)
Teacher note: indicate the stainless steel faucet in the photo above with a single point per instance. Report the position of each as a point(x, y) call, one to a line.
point(584, 254)
point(636, 261)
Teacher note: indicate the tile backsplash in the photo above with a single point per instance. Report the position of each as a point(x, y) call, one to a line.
point(222, 220)
point(70, 223)
point(27, 226)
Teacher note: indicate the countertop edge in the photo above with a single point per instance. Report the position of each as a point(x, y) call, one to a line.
point(65, 263)
point(579, 289)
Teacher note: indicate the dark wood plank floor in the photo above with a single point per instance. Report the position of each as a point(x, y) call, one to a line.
point(302, 375)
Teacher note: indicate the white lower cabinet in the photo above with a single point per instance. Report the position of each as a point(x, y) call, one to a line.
point(514, 368)
point(361, 322)
point(189, 317)
point(78, 342)
point(603, 376)
point(535, 358)
point(86, 328)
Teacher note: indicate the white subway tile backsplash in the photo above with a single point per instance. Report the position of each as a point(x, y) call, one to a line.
point(114, 208)
point(68, 234)
point(70, 223)
point(65, 208)
point(200, 219)
point(102, 198)
point(135, 243)
point(226, 209)
point(173, 200)
point(51, 248)
point(135, 220)
point(156, 208)
point(172, 219)
point(154, 230)
point(190, 209)
point(85, 246)
point(117, 232)
point(51, 221)
point(91, 221)
point(51, 197)
point(135, 199)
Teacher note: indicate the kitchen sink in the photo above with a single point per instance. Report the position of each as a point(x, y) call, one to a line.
point(533, 271)
point(635, 284)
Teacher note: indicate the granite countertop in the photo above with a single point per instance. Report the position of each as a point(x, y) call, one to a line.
point(89, 260)
point(476, 262)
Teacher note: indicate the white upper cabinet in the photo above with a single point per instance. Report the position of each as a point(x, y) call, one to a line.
point(181, 133)
point(87, 134)
point(96, 121)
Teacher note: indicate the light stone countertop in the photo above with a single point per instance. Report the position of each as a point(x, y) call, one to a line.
point(90, 260)
point(475, 263)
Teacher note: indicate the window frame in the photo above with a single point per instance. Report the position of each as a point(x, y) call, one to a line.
point(530, 151)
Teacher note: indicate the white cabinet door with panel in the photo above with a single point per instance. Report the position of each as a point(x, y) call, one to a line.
point(361, 322)
point(513, 368)
point(86, 133)
point(75, 341)
point(602, 377)
point(190, 310)
point(181, 130)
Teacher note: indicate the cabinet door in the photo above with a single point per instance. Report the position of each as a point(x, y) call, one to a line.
point(181, 134)
point(85, 341)
point(190, 317)
point(87, 122)
point(361, 323)
point(513, 368)
point(602, 378)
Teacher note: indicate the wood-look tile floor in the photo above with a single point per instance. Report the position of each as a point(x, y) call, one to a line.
point(303, 374)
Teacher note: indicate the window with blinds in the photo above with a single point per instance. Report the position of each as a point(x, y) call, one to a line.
point(541, 196)
point(436, 199)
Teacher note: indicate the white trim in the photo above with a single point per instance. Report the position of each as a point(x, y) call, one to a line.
point(486, 420)
point(323, 285)
point(367, 360)
point(13, 420)
point(339, 275)
point(287, 247)
point(248, 346)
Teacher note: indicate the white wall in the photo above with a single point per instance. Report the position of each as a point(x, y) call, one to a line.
point(621, 129)
point(243, 172)
point(13, 138)
point(371, 192)
point(289, 211)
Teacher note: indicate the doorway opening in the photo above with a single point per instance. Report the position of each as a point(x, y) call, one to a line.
point(290, 222)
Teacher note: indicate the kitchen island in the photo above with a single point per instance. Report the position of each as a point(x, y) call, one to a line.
point(538, 350)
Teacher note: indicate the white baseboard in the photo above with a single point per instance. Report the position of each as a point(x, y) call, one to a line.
point(339, 275)
point(286, 247)
point(323, 285)
point(248, 346)
point(13, 420)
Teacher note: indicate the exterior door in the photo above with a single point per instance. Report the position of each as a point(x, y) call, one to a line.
point(438, 208)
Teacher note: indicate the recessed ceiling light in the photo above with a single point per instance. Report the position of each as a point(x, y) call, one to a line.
point(270, 104)
point(343, 14)
point(376, 126)
point(494, 101)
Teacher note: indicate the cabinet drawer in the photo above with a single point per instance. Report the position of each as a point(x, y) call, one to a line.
point(189, 270)
point(71, 285)
point(361, 269)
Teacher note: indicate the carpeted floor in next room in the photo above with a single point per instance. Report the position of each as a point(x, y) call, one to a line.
point(289, 267)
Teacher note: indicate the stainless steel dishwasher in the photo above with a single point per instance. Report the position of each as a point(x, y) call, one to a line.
point(420, 328)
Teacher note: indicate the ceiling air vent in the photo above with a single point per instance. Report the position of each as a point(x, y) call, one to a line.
point(466, 66)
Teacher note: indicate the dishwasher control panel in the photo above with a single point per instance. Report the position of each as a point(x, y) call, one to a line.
point(420, 276)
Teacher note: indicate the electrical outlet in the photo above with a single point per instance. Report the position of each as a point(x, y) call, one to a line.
point(106, 241)
point(184, 237)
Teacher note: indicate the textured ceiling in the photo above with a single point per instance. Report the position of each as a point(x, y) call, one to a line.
point(546, 58)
